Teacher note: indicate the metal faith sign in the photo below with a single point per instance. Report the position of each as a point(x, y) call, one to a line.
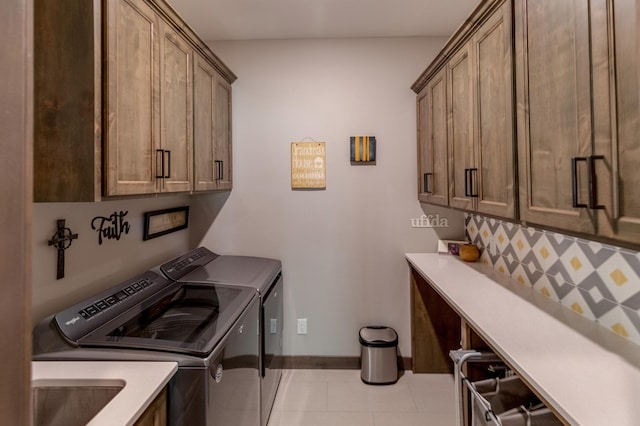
point(61, 240)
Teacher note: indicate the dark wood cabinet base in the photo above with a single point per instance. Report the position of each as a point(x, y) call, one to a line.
point(435, 329)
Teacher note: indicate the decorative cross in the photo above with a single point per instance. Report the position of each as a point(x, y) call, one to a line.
point(62, 240)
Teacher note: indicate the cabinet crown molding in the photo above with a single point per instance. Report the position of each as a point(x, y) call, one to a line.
point(459, 37)
point(179, 24)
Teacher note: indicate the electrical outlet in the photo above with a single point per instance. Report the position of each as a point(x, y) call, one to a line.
point(273, 323)
point(302, 326)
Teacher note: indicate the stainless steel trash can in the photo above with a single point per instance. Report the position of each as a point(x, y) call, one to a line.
point(379, 355)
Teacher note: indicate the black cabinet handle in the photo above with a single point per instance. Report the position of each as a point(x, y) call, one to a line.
point(593, 182)
point(468, 183)
point(160, 164)
point(219, 170)
point(574, 181)
point(473, 182)
point(168, 174)
point(426, 183)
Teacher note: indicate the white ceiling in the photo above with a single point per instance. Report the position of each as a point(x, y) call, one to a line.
point(282, 19)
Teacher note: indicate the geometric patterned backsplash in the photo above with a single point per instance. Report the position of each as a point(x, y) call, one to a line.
point(598, 281)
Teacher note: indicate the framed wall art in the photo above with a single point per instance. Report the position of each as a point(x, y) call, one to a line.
point(308, 165)
point(162, 222)
point(363, 150)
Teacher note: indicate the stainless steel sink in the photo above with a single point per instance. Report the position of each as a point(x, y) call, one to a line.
point(72, 402)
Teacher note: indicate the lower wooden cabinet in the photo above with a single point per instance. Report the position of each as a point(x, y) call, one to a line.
point(435, 329)
point(156, 413)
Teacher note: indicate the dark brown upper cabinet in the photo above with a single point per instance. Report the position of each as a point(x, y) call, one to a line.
point(477, 156)
point(114, 101)
point(578, 92)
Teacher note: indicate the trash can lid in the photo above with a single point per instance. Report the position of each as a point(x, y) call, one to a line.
point(378, 336)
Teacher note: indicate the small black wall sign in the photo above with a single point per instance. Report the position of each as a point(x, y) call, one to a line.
point(111, 227)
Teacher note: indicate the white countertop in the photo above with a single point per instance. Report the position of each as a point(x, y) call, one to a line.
point(587, 373)
point(143, 382)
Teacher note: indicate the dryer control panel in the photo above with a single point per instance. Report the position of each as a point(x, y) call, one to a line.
point(188, 262)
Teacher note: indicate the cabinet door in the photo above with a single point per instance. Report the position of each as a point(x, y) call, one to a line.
point(222, 133)
point(554, 110)
point(423, 157)
point(67, 124)
point(132, 117)
point(460, 129)
point(212, 128)
point(434, 148)
point(494, 115)
point(156, 413)
point(205, 169)
point(176, 108)
point(622, 221)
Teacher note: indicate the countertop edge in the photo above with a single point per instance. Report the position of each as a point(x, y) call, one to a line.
point(575, 352)
point(143, 383)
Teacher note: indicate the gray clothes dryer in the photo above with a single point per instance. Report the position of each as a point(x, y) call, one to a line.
point(264, 275)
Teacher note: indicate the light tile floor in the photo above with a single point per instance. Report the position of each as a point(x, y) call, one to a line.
point(338, 397)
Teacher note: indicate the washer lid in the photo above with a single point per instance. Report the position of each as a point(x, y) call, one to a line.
point(183, 318)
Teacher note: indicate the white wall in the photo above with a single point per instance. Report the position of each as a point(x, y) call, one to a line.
point(89, 266)
point(341, 248)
